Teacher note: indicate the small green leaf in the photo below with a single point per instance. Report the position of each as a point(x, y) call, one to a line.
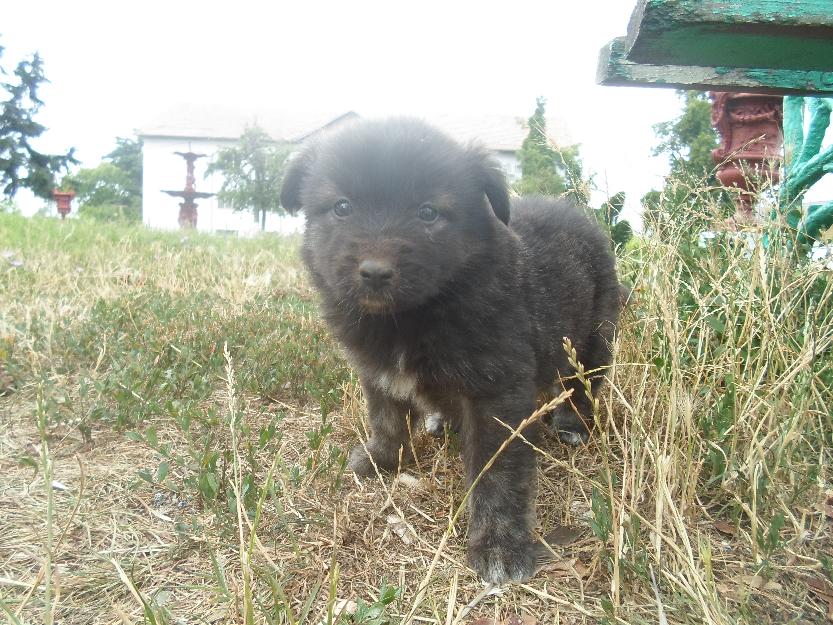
point(162, 471)
point(389, 594)
point(28, 461)
point(607, 605)
point(150, 437)
point(716, 324)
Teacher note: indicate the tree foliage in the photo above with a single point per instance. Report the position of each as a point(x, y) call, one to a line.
point(21, 165)
point(547, 169)
point(112, 190)
point(252, 173)
point(128, 158)
point(689, 139)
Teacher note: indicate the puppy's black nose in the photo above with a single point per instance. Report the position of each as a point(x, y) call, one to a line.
point(375, 273)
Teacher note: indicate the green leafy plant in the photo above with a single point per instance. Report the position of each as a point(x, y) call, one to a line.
point(610, 217)
point(373, 613)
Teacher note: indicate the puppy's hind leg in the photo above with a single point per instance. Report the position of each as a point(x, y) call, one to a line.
point(434, 424)
point(570, 419)
point(388, 434)
point(569, 427)
point(436, 421)
point(567, 419)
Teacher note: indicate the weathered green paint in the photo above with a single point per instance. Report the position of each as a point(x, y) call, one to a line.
point(819, 122)
point(774, 34)
point(615, 69)
point(805, 165)
point(817, 219)
point(816, 82)
point(793, 130)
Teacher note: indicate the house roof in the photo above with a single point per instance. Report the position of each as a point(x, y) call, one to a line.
point(496, 132)
point(215, 122)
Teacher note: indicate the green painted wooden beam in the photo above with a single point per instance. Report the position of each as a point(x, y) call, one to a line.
point(616, 69)
point(772, 34)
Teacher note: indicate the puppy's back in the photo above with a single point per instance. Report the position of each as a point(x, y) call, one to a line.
point(570, 282)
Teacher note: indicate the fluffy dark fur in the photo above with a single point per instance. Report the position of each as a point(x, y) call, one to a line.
point(445, 305)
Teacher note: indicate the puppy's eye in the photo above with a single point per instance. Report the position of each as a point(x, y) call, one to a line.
point(342, 208)
point(428, 213)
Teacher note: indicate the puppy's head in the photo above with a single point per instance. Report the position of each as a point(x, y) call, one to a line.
point(395, 210)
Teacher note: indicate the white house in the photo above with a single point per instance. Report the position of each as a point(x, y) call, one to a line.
point(206, 130)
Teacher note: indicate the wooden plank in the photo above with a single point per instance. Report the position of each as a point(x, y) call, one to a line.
point(616, 70)
point(776, 34)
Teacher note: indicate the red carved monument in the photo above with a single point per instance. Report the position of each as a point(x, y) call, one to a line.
point(751, 129)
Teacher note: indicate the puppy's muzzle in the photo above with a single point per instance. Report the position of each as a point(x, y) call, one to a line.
point(376, 273)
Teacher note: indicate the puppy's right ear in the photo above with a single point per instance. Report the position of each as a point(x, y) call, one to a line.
point(294, 179)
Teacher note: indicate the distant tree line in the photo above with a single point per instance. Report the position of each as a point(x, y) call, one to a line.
point(112, 190)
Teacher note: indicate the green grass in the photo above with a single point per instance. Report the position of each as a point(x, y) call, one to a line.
point(185, 395)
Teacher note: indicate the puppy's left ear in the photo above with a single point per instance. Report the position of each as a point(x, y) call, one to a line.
point(497, 193)
point(494, 185)
point(294, 179)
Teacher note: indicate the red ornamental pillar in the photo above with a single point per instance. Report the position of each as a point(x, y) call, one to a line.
point(751, 130)
point(64, 201)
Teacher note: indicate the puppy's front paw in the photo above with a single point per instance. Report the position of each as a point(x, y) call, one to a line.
point(359, 462)
point(509, 559)
point(385, 457)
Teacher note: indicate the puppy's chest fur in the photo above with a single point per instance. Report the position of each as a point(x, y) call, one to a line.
point(427, 385)
point(396, 378)
point(402, 364)
point(441, 354)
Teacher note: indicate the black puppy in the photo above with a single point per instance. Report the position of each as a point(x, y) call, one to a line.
point(444, 305)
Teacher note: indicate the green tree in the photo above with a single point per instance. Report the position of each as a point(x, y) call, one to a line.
point(21, 165)
point(547, 169)
point(691, 189)
point(111, 191)
point(252, 173)
point(688, 140)
point(128, 158)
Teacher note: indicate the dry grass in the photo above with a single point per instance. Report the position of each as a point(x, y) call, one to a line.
point(701, 497)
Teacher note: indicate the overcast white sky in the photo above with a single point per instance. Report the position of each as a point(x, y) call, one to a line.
point(113, 65)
